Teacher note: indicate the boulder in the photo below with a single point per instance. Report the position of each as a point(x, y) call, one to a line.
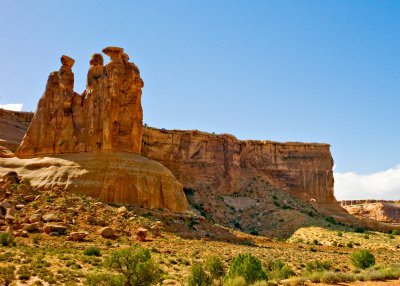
point(122, 210)
point(51, 217)
point(141, 234)
point(29, 198)
point(32, 227)
point(77, 235)
point(35, 218)
point(106, 232)
point(54, 228)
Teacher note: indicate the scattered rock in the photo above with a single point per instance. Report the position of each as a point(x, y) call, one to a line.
point(21, 232)
point(122, 210)
point(156, 228)
point(35, 218)
point(52, 228)
point(11, 178)
point(29, 198)
point(106, 232)
point(141, 234)
point(19, 206)
point(101, 222)
point(77, 235)
point(91, 219)
point(32, 227)
point(9, 219)
point(51, 217)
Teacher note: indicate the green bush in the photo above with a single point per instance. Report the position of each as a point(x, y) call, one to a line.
point(362, 259)
point(7, 275)
point(247, 266)
point(318, 266)
point(215, 267)
point(92, 251)
point(278, 270)
point(6, 239)
point(105, 279)
point(136, 265)
point(198, 277)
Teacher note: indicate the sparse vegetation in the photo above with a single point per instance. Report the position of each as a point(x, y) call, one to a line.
point(362, 259)
point(135, 264)
point(92, 251)
point(247, 266)
point(198, 277)
point(6, 239)
point(7, 274)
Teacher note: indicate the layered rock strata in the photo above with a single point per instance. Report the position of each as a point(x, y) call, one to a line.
point(107, 116)
point(222, 163)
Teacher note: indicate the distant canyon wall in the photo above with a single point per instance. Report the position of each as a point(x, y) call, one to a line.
point(201, 160)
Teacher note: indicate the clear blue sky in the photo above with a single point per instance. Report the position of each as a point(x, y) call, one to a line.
point(313, 71)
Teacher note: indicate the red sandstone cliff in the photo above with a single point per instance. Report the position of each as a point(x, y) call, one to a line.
point(201, 160)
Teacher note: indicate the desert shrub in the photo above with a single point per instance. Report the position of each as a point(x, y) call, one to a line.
point(136, 265)
point(92, 251)
point(7, 275)
point(105, 279)
point(349, 244)
point(35, 238)
point(6, 239)
point(339, 233)
point(362, 259)
point(359, 229)
point(278, 270)
point(235, 281)
point(315, 277)
point(198, 277)
point(247, 266)
point(330, 277)
point(331, 220)
point(318, 266)
point(215, 267)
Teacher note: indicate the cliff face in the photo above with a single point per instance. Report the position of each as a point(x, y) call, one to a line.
point(222, 163)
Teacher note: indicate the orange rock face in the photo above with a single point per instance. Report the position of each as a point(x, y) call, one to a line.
point(221, 162)
point(107, 116)
point(114, 177)
point(381, 211)
point(13, 125)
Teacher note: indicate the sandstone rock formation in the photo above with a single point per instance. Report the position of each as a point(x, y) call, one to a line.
point(107, 116)
point(380, 211)
point(13, 126)
point(113, 177)
point(222, 163)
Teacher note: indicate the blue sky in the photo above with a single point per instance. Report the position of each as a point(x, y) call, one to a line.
point(312, 71)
